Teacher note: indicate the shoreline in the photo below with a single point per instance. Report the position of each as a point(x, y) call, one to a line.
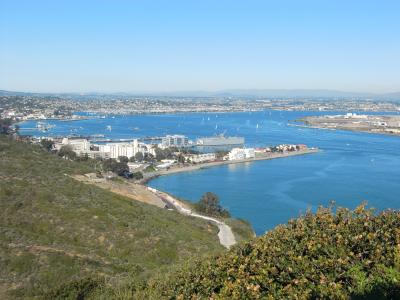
point(312, 126)
point(152, 175)
point(142, 192)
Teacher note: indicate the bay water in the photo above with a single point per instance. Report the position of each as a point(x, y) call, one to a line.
point(351, 167)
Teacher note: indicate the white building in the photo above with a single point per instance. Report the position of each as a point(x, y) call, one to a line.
point(77, 145)
point(134, 166)
point(241, 153)
point(249, 152)
point(166, 163)
point(199, 158)
point(116, 150)
point(174, 141)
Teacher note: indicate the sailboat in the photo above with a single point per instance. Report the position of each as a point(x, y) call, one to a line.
point(108, 127)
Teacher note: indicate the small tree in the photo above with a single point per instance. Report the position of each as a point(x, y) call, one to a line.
point(181, 159)
point(209, 205)
point(67, 152)
point(160, 155)
point(220, 154)
point(5, 125)
point(123, 159)
point(114, 166)
point(137, 175)
point(139, 156)
point(47, 144)
point(148, 157)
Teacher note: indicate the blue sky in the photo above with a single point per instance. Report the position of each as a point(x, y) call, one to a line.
point(155, 46)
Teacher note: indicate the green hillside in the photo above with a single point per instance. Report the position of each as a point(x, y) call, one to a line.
point(54, 229)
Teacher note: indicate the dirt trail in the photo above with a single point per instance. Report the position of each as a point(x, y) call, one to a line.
point(130, 190)
point(225, 234)
point(152, 196)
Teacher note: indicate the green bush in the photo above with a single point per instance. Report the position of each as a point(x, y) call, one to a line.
point(326, 255)
point(209, 205)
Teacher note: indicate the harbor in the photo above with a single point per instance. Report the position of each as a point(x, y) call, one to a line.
point(275, 189)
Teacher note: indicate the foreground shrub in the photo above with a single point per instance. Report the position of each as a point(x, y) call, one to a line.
point(341, 255)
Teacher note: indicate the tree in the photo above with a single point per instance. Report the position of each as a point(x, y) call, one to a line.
point(160, 155)
point(5, 125)
point(148, 157)
point(139, 156)
point(165, 153)
point(181, 159)
point(209, 205)
point(123, 159)
point(114, 166)
point(137, 175)
point(67, 152)
point(47, 144)
point(220, 154)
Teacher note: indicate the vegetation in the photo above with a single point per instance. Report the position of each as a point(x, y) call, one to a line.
point(123, 159)
point(167, 153)
point(67, 152)
point(5, 126)
point(137, 175)
point(209, 205)
point(242, 229)
point(139, 156)
point(342, 255)
point(149, 169)
point(54, 229)
point(115, 166)
point(220, 154)
point(47, 144)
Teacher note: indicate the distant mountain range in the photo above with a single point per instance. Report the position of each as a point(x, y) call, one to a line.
point(271, 93)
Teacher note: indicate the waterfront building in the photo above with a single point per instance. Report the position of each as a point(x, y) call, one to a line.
point(174, 141)
point(166, 163)
point(77, 145)
point(241, 153)
point(200, 158)
point(134, 166)
point(116, 150)
point(95, 154)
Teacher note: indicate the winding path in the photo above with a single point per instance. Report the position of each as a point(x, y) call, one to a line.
point(225, 234)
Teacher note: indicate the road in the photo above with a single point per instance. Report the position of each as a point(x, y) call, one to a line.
point(225, 234)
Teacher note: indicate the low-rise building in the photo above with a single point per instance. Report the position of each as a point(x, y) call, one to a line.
point(77, 145)
point(166, 163)
point(241, 153)
point(200, 158)
point(174, 141)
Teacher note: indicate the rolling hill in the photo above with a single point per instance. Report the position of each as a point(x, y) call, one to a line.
point(54, 229)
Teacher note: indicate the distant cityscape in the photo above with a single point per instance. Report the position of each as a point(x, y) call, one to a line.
point(34, 107)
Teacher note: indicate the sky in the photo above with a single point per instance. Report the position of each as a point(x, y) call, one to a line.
point(208, 45)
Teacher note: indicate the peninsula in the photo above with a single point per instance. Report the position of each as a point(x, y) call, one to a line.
point(382, 124)
point(192, 167)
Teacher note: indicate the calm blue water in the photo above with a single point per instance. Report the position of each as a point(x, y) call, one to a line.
point(352, 167)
